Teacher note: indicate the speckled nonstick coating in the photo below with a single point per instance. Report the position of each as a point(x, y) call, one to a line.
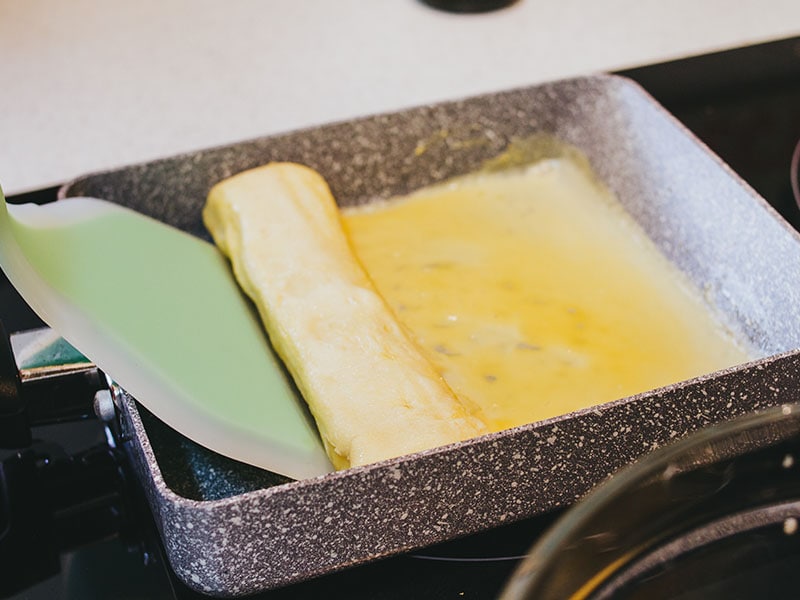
point(230, 529)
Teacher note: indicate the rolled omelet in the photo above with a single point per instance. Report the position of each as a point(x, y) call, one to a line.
point(372, 393)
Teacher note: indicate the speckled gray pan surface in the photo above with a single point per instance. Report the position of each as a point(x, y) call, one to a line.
point(230, 529)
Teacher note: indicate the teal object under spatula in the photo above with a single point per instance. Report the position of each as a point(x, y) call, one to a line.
point(158, 310)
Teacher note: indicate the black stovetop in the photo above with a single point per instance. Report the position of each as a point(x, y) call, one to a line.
point(744, 104)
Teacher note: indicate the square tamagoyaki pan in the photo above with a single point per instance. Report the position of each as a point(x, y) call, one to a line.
point(232, 529)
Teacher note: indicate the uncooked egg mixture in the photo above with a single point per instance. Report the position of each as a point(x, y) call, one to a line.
point(535, 294)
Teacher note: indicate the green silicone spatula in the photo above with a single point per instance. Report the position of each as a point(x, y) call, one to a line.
point(158, 310)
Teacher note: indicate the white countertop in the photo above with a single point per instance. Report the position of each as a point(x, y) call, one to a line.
point(95, 84)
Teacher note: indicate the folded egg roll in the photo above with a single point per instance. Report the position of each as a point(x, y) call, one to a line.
point(372, 393)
